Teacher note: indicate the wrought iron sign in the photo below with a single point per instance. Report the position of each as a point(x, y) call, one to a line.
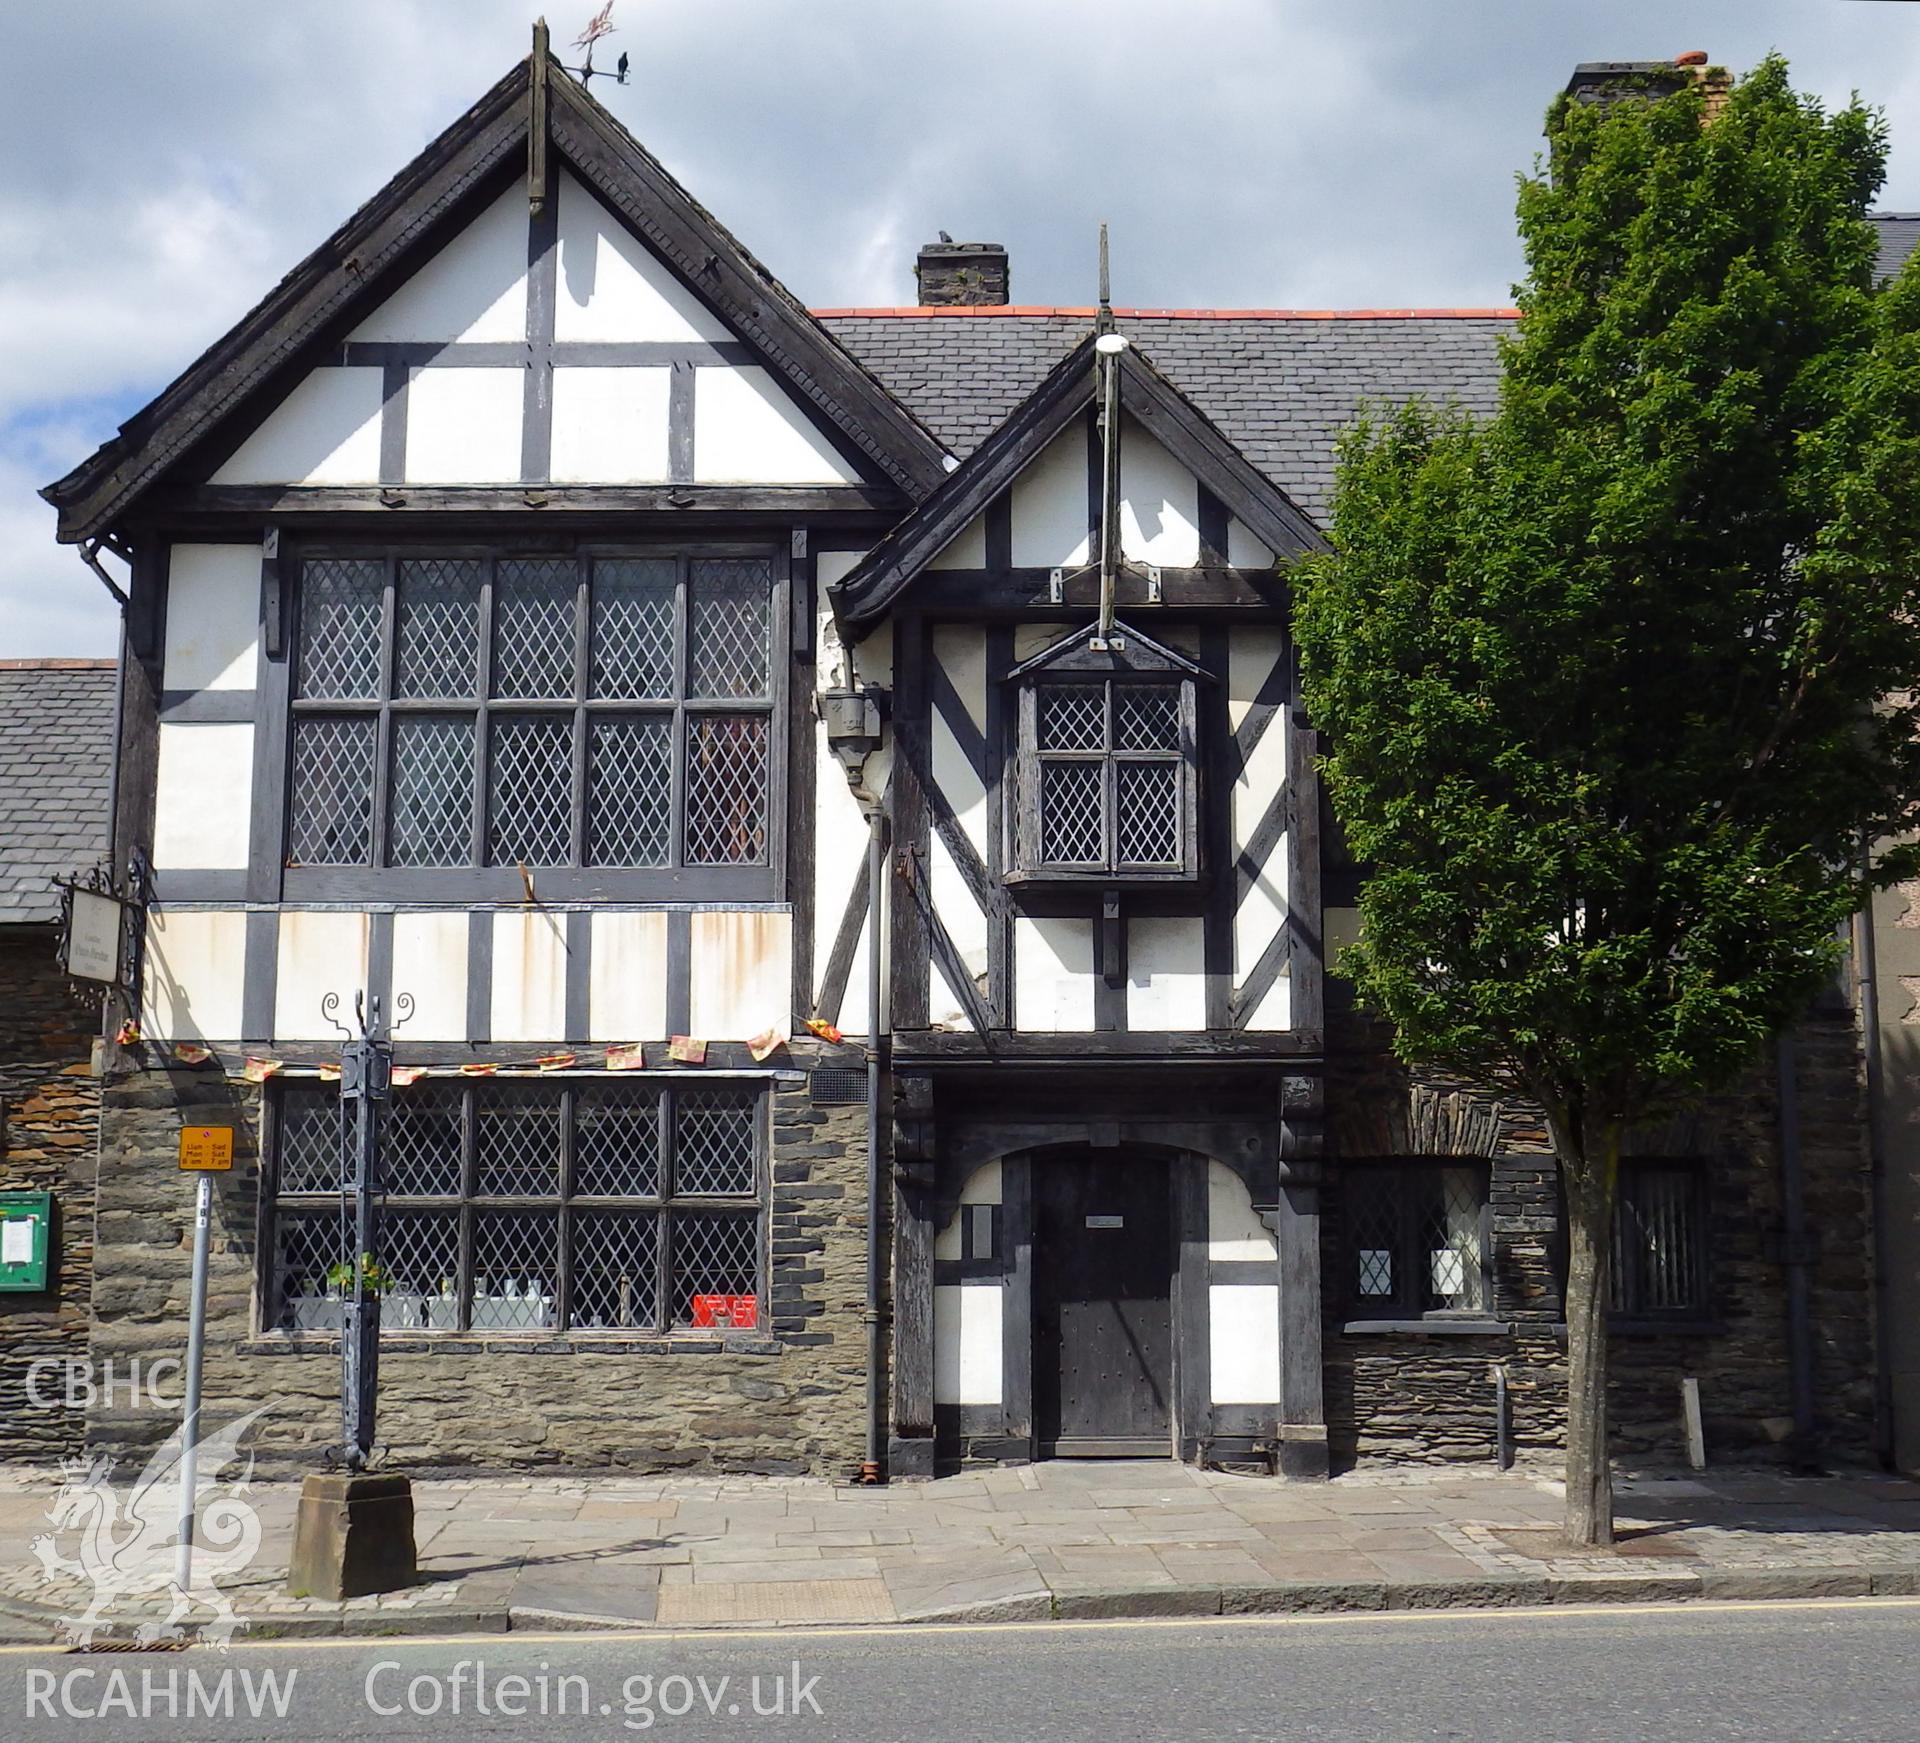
point(103, 927)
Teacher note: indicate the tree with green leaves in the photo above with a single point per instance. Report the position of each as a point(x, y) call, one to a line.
point(1616, 681)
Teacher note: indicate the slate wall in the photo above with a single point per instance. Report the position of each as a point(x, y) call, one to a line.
point(49, 1109)
point(1431, 1397)
point(787, 1401)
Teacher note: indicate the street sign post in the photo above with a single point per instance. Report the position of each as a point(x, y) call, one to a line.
point(204, 1152)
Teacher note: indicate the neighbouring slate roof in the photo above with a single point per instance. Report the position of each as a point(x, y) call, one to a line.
point(1281, 386)
point(1898, 231)
point(56, 748)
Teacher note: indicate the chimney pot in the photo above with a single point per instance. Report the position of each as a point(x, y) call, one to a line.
point(962, 275)
point(1694, 57)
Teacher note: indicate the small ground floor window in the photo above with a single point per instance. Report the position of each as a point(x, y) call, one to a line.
point(1416, 1239)
point(1660, 1241)
point(509, 1207)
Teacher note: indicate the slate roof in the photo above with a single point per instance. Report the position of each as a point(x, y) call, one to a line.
point(1281, 385)
point(1899, 231)
point(56, 736)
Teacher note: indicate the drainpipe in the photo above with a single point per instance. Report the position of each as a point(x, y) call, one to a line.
point(870, 1469)
point(1866, 970)
point(1798, 1255)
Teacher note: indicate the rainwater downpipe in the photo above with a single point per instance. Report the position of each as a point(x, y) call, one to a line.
point(871, 1470)
point(1866, 969)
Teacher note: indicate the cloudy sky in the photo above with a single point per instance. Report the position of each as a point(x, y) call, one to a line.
point(167, 160)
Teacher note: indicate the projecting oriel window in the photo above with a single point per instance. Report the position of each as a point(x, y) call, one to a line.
point(1107, 786)
point(528, 1208)
point(577, 714)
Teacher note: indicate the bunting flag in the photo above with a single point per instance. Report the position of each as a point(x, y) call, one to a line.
point(765, 1044)
point(406, 1074)
point(685, 1050)
point(554, 1061)
point(825, 1030)
point(189, 1054)
point(478, 1070)
point(259, 1070)
point(128, 1034)
point(631, 1058)
point(328, 1073)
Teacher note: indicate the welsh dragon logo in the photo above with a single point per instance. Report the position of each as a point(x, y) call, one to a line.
point(128, 1536)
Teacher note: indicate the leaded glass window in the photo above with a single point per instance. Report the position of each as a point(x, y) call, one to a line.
point(571, 712)
point(529, 1206)
point(1107, 785)
point(1415, 1238)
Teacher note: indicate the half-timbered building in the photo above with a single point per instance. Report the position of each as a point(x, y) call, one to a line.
point(823, 800)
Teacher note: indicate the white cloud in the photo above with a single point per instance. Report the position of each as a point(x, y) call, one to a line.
point(166, 164)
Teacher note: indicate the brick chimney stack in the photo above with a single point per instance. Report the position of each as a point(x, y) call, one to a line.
point(1609, 81)
point(962, 274)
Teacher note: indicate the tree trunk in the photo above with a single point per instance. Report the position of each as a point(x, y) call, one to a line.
point(1589, 1172)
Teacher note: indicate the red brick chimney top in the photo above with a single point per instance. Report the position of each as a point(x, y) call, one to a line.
point(1694, 57)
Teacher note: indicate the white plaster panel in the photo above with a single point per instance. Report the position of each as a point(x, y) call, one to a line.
point(319, 953)
point(1053, 974)
point(1275, 1010)
point(475, 288)
point(213, 617)
point(463, 426)
point(1050, 504)
point(203, 796)
point(613, 286)
point(1252, 655)
point(610, 425)
point(873, 657)
point(947, 1242)
point(839, 868)
point(961, 652)
point(1339, 927)
point(1262, 909)
point(1243, 1335)
point(1167, 972)
point(195, 974)
point(430, 962)
point(747, 430)
point(966, 1343)
point(831, 567)
point(1234, 1228)
point(742, 973)
point(326, 431)
point(966, 550)
point(627, 977)
point(1244, 551)
point(1159, 503)
point(959, 910)
point(985, 1184)
point(529, 975)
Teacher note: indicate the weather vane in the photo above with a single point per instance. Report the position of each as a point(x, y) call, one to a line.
point(600, 25)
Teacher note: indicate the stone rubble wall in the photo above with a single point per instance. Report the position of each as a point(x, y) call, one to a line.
point(789, 1400)
point(49, 1118)
point(1430, 1398)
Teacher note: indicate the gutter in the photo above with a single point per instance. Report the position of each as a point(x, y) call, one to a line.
point(871, 1468)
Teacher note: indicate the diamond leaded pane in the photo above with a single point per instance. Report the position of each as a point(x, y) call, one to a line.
point(713, 1142)
point(613, 1260)
point(330, 821)
point(1147, 796)
point(517, 1133)
point(420, 1253)
point(1072, 817)
point(516, 1269)
point(1455, 1278)
point(1373, 1230)
point(633, 628)
point(530, 790)
point(727, 631)
point(306, 1245)
point(437, 628)
point(616, 1143)
point(340, 609)
point(1072, 716)
point(726, 789)
point(629, 789)
point(533, 628)
point(421, 1151)
point(312, 1142)
point(714, 1253)
point(1146, 717)
point(432, 806)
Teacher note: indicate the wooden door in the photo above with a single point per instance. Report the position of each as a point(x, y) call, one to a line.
point(1102, 1308)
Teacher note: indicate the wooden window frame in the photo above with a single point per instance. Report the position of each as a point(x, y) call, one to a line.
point(1627, 1299)
point(477, 881)
point(1028, 866)
point(565, 1202)
point(1409, 1298)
